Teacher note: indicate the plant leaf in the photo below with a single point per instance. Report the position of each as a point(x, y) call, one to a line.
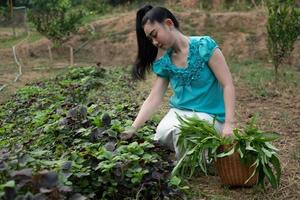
point(178, 165)
point(268, 153)
point(268, 171)
point(276, 163)
point(240, 152)
point(175, 181)
point(221, 155)
point(249, 147)
point(267, 136)
point(9, 184)
point(261, 175)
point(269, 145)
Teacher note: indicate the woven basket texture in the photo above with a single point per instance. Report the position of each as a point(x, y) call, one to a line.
point(233, 172)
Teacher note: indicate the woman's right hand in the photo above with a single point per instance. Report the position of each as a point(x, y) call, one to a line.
point(127, 134)
point(149, 106)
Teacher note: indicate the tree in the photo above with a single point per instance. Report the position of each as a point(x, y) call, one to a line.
point(55, 19)
point(283, 28)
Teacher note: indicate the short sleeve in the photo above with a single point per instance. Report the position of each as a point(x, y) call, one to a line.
point(160, 69)
point(207, 47)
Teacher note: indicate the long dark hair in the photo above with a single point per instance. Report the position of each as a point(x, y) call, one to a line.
point(147, 52)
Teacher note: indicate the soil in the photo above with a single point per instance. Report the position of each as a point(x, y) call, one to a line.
point(241, 35)
point(279, 113)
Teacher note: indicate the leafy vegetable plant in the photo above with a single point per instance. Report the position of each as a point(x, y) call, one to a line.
point(253, 145)
point(196, 137)
point(59, 139)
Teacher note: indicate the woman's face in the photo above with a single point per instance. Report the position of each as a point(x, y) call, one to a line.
point(159, 33)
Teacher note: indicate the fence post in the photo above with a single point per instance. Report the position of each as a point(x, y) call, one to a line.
point(71, 56)
point(50, 54)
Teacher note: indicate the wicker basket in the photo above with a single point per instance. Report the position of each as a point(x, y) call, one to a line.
point(233, 172)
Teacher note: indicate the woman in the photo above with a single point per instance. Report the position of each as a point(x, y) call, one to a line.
point(194, 67)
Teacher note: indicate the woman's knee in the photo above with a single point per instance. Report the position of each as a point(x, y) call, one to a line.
point(165, 137)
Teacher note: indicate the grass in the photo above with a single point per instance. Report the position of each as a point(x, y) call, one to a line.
point(35, 36)
point(111, 11)
point(10, 42)
point(238, 6)
point(208, 5)
point(92, 16)
point(260, 76)
point(296, 154)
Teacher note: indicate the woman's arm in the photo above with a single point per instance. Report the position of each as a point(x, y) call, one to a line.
point(221, 70)
point(152, 102)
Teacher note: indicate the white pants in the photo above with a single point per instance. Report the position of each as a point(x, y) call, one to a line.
point(167, 130)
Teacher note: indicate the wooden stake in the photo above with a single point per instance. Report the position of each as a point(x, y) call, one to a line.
point(50, 54)
point(71, 57)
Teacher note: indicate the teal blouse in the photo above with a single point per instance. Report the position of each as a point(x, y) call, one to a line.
point(194, 86)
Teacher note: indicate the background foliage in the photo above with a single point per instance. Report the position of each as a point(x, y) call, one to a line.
point(283, 29)
point(55, 19)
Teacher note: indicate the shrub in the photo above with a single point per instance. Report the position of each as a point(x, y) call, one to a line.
point(99, 6)
point(283, 28)
point(55, 19)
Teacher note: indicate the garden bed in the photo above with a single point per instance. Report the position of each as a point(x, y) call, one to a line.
point(59, 139)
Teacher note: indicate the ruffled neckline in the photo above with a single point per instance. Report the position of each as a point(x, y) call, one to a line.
point(168, 56)
point(183, 75)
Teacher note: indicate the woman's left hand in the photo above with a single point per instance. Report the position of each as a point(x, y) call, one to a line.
point(227, 129)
